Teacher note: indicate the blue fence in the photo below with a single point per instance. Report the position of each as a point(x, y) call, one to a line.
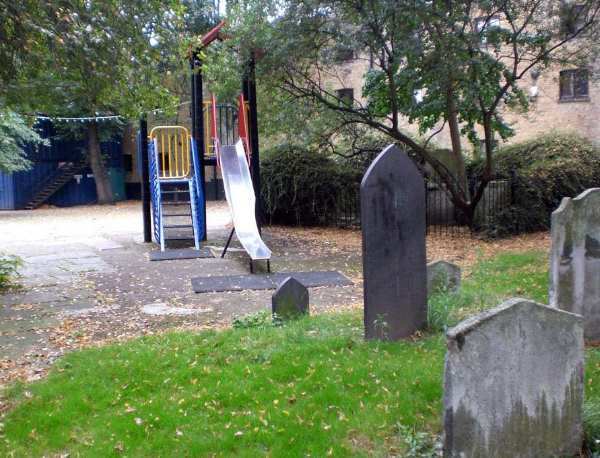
point(18, 188)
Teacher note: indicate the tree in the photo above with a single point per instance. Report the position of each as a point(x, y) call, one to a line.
point(14, 135)
point(106, 58)
point(465, 58)
point(25, 30)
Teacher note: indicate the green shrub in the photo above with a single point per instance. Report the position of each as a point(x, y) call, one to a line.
point(542, 171)
point(261, 319)
point(591, 425)
point(8, 271)
point(304, 187)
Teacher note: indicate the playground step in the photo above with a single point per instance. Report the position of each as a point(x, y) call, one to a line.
point(175, 191)
point(177, 226)
point(166, 215)
point(175, 202)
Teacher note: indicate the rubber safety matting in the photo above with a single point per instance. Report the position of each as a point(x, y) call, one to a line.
point(267, 281)
point(182, 253)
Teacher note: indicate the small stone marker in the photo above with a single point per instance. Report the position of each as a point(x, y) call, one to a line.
point(442, 276)
point(575, 259)
point(392, 196)
point(290, 300)
point(513, 384)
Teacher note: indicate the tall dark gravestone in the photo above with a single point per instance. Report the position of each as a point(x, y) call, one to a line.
point(392, 203)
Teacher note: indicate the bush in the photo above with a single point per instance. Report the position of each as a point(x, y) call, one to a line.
point(591, 426)
point(261, 319)
point(304, 187)
point(8, 271)
point(542, 171)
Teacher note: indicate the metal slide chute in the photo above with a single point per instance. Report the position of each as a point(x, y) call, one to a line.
point(239, 190)
point(239, 193)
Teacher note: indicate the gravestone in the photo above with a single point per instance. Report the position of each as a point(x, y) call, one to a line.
point(392, 202)
point(290, 300)
point(513, 383)
point(442, 276)
point(575, 259)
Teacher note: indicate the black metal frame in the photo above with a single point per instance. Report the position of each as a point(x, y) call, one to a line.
point(198, 134)
point(252, 266)
point(251, 260)
point(145, 184)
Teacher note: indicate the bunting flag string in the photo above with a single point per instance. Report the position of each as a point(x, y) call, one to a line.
point(93, 118)
point(78, 119)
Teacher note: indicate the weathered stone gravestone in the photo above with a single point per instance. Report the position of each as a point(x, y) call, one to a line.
point(442, 276)
point(575, 259)
point(392, 195)
point(290, 300)
point(513, 383)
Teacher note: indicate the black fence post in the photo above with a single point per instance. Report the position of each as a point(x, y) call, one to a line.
point(145, 185)
point(249, 91)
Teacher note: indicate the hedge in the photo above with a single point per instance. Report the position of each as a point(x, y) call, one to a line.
point(304, 187)
point(542, 171)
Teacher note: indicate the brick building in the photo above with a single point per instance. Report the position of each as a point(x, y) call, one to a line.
point(561, 100)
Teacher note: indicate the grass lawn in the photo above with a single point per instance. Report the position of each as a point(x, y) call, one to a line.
point(313, 387)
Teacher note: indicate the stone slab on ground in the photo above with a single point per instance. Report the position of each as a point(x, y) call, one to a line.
point(50, 294)
point(392, 203)
point(180, 253)
point(268, 281)
point(513, 383)
point(160, 309)
point(575, 259)
point(290, 300)
point(103, 244)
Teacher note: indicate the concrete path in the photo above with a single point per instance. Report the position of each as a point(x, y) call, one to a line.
point(87, 279)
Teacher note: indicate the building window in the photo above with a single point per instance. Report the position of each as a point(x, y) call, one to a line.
point(573, 18)
point(345, 95)
point(574, 85)
point(484, 24)
point(344, 54)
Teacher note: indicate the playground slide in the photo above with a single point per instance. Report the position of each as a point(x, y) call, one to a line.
point(242, 201)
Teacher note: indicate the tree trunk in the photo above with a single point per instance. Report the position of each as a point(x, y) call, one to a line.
point(128, 146)
point(456, 141)
point(103, 186)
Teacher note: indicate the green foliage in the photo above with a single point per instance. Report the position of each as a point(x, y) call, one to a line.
point(9, 266)
point(14, 135)
point(26, 29)
point(200, 15)
point(543, 171)
point(420, 444)
point(261, 319)
point(314, 386)
point(113, 56)
point(466, 72)
point(491, 282)
point(304, 187)
point(591, 407)
point(591, 424)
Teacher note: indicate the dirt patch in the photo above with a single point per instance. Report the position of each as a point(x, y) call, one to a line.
point(463, 248)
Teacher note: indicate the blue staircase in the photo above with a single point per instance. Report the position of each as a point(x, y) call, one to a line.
point(177, 197)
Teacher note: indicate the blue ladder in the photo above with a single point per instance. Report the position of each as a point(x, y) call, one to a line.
point(175, 186)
